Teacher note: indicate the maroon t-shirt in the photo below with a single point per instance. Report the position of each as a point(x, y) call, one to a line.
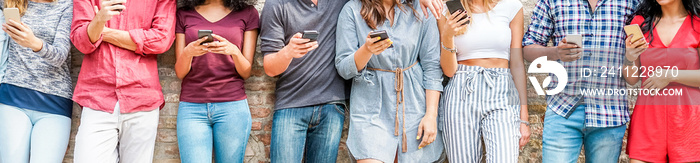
point(213, 77)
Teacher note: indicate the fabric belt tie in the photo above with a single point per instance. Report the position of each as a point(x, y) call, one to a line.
point(398, 86)
point(489, 76)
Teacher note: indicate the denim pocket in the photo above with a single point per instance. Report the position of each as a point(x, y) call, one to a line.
point(340, 108)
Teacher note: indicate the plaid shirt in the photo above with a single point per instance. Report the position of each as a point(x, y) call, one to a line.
point(603, 43)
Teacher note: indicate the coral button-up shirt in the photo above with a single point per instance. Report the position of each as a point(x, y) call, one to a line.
point(110, 73)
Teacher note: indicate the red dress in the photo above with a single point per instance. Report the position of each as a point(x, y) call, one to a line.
point(667, 128)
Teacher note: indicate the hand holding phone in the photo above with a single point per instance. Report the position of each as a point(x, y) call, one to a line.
point(636, 43)
point(377, 42)
point(382, 35)
point(107, 9)
point(298, 47)
point(569, 48)
point(20, 32)
point(454, 6)
point(205, 33)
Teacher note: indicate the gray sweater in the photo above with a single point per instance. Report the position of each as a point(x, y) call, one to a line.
point(48, 70)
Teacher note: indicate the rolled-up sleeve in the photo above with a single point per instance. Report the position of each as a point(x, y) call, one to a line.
point(346, 44)
point(160, 36)
point(56, 52)
point(430, 55)
point(541, 26)
point(83, 12)
point(272, 36)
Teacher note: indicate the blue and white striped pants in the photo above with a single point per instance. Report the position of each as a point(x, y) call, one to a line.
point(481, 102)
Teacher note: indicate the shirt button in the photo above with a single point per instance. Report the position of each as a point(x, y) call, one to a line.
point(313, 5)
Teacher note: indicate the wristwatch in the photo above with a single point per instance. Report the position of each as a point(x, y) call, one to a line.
point(453, 50)
point(525, 122)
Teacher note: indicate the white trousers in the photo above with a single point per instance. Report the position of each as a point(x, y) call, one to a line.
point(105, 138)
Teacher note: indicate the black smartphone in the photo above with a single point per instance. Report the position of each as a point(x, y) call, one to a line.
point(456, 6)
point(381, 34)
point(120, 10)
point(312, 35)
point(205, 33)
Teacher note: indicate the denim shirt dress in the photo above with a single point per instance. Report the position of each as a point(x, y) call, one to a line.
point(373, 98)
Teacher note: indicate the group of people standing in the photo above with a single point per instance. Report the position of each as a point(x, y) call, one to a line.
point(394, 85)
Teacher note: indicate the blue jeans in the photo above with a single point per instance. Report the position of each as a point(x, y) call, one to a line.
point(315, 128)
point(224, 125)
point(32, 136)
point(562, 139)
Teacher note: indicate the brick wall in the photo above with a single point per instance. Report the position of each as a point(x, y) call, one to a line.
point(260, 90)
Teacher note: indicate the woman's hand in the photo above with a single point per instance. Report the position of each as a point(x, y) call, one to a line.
point(23, 35)
point(524, 134)
point(427, 129)
point(455, 25)
point(222, 46)
point(195, 48)
point(657, 81)
point(375, 46)
point(435, 6)
point(634, 48)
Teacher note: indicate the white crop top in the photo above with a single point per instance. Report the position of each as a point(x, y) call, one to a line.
point(488, 35)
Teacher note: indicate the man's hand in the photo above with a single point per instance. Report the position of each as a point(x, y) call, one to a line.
point(298, 47)
point(435, 6)
point(108, 9)
point(568, 52)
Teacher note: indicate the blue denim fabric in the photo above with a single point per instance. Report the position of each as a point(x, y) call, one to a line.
point(562, 139)
point(225, 126)
point(310, 133)
point(4, 52)
point(28, 136)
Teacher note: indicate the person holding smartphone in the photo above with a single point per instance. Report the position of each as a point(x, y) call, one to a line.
point(395, 91)
point(36, 91)
point(487, 94)
point(118, 87)
point(664, 127)
point(574, 119)
point(213, 104)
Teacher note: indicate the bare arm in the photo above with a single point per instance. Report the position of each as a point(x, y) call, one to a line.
point(118, 38)
point(244, 62)
point(631, 60)
point(184, 53)
point(449, 26)
point(688, 77)
point(277, 63)
point(517, 65)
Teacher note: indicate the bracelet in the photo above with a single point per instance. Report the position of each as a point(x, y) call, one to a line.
point(525, 122)
point(453, 50)
point(627, 62)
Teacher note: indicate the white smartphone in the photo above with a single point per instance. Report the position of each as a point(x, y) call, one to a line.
point(576, 39)
point(11, 13)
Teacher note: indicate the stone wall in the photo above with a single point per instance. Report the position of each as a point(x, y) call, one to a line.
point(260, 90)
